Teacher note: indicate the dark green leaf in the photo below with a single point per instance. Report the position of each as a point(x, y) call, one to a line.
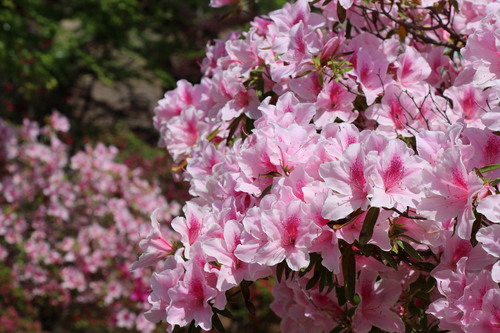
point(314, 280)
point(337, 329)
point(245, 290)
point(193, 329)
point(226, 313)
point(341, 12)
point(409, 250)
point(217, 324)
point(367, 230)
point(349, 271)
point(387, 258)
point(322, 279)
point(250, 307)
point(279, 270)
point(340, 292)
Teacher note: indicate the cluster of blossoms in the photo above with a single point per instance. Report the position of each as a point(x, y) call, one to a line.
point(347, 149)
point(70, 226)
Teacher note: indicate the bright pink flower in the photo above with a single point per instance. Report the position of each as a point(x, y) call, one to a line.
point(486, 146)
point(288, 110)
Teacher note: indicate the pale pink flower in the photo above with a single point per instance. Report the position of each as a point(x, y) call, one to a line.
point(190, 299)
point(155, 247)
point(289, 234)
point(450, 192)
point(395, 177)
point(347, 179)
point(377, 299)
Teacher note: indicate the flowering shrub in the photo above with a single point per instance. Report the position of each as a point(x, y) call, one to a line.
point(346, 149)
point(70, 228)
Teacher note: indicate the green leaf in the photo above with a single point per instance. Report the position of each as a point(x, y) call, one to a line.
point(213, 134)
point(340, 292)
point(304, 73)
point(271, 174)
point(409, 250)
point(349, 271)
point(341, 12)
point(266, 191)
point(337, 329)
point(217, 324)
point(387, 258)
point(226, 313)
point(489, 168)
point(367, 230)
point(279, 270)
point(314, 280)
point(193, 329)
point(245, 290)
point(323, 279)
point(495, 182)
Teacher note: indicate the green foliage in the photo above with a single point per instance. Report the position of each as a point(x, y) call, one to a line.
point(51, 50)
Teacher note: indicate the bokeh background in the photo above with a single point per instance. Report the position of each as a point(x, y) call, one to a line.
point(103, 64)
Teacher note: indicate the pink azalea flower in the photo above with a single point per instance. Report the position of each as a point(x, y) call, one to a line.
point(469, 104)
point(488, 318)
point(347, 178)
point(233, 270)
point(395, 177)
point(191, 226)
point(182, 132)
point(450, 192)
point(289, 235)
point(334, 101)
point(412, 68)
point(377, 298)
point(370, 70)
point(489, 237)
point(190, 299)
point(154, 246)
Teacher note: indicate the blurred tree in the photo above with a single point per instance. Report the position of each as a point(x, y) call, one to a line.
point(54, 53)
